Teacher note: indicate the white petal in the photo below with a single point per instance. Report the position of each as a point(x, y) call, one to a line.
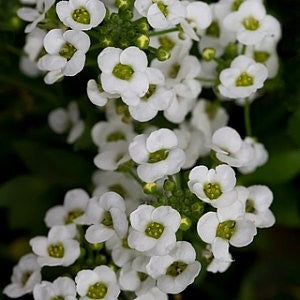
point(207, 226)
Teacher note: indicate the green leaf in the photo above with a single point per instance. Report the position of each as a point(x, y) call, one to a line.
point(281, 167)
point(23, 197)
point(294, 127)
point(56, 165)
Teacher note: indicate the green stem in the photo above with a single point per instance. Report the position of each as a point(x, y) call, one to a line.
point(247, 119)
point(244, 49)
point(154, 33)
point(206, 79)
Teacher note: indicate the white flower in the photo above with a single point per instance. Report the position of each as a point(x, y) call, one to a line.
point(33, 47)
point(58, 249)
point(208, 117)
point(113, 156)
point(227, 226)
point(259, 159)
point(66, 53)
point(161, 14)
point(100, 283)
point(71, 211)
point(81, 14)
point(230, 148)
point(124, 72)
point(130, 190)
point(61, 120)
point(214, 186)
point(121, 253)
point(62, 287)
point(26, 274)
point(265, 53)
point(243, 78)
point(104, 133)
point(34, 15)
point(256, 201)
point(192, 141)
point(153, 229)
point(107, 216)
point(251, 23)
point(134, 276)
point(153, 294)
point(180, 71)
point(218, 266)
point(215, 265)
point(175, 271)
point(158, 154)
point(170, 41)
point(198, 17)
point(97, 95)
point(157, 98)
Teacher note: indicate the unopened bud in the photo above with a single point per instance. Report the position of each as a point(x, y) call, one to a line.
point(209, 54)
point(142, 41)
point(150, 188)
point(185, 223)
point(163, 54)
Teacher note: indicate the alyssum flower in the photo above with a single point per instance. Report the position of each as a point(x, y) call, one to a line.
point(157, 154)
point(153, 229)
point(66, 53)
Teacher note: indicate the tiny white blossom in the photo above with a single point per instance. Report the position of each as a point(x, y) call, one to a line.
point(26, 274)
point(134, 276)
point(61, 120)
point(124, 72)
point(193, 142)
point(107, 216)
point(153, 294)
point(198, 17)
point(208, 117)
point(256, 201)
point(121, 253)
point(161, 14)
point(260, 156)
point(34, 15)
point(100, 283)
point(113, 156)
point(33, 47)
point(157, 154)
point(176, 270)
point(227, 226)
point(82, 14)
point(153, 229)
point(130, 190)
point(97, 95)
point(214, 186)
point(66, 53)
point(251, 23)
point(72, 211)
point(243, 78)
point(62, 287)
point(230, 148)
point(59, 248)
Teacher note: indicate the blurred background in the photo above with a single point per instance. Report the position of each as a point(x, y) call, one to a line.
point(38, 167)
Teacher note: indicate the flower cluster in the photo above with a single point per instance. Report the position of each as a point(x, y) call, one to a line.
point(169, 163)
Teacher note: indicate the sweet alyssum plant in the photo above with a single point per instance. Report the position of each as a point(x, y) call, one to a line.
point(160, 190)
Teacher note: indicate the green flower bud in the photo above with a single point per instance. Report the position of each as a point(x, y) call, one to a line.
point(142, 41)
point(97, 246)
point(169, 185)
point(123, 4)
point(163, 54)
point(126, 14)
point(185, 223)
point(209, 54)
point(231, 51)
point(150, 188)
point(142, 25)
point(197, 208)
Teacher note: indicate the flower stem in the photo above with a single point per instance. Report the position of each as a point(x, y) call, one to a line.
point(136, 178)
point(247, 117)
point(244, 49)
point(154, 33)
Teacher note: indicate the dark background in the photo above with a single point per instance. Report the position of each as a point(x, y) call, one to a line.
point(37, 167)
